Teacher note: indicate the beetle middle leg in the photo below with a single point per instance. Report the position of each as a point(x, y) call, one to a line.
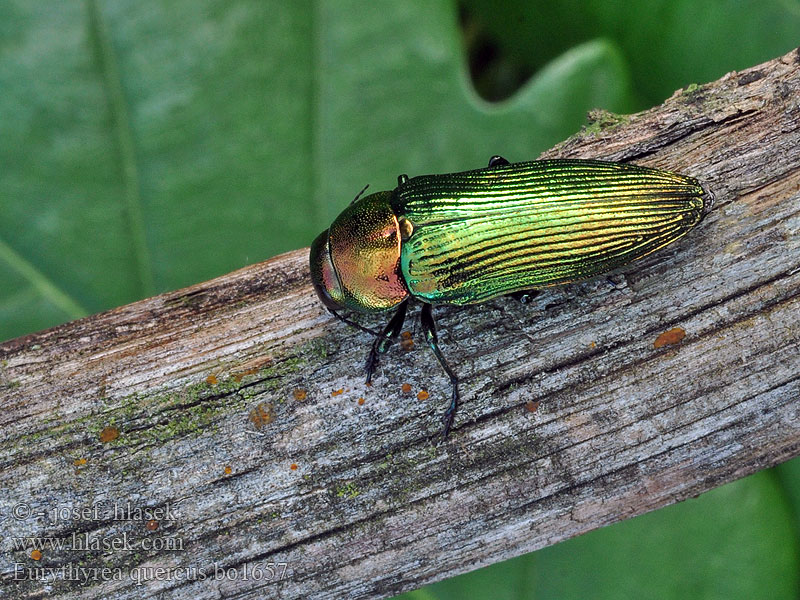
point(429, 329)
point(385, 339)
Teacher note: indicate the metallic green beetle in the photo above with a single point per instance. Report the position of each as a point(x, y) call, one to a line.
point(464, 238)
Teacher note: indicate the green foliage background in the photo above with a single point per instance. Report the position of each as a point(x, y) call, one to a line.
point(147, 145)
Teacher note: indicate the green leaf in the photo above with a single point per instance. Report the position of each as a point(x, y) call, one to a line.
point(789, 476)
point(668, 43)
point(146, 145)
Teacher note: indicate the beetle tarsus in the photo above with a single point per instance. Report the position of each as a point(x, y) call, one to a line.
point(401, 179)
point(450, 414)
point(524, 296)
point(385, 339)
point(498, 161)
point(429, 330)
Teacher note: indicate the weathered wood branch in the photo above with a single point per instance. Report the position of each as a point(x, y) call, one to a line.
point(221, 403)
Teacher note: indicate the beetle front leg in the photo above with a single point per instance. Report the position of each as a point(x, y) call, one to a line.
point(429, 329)
point(386, 338)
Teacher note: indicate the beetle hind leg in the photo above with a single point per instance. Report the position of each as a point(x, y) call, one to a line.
point(385, 339)
point(498, 161)
point(429, 329)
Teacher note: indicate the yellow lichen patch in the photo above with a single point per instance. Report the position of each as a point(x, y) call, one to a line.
point(211, 380)
point(423, 395)
point(532, 405)
point(228, 470)
point(406, 387)
point(109, 434)
point(293, 466)
point(300, 394)
point(669, 338)
point(361, 401)
point(261, 415)
point(151, 525)
point(36, 554)
point(337, 392)
point(79, 462)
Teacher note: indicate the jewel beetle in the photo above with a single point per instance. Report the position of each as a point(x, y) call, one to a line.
point(507, 229)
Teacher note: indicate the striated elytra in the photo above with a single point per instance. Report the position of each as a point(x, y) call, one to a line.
point(508, 229)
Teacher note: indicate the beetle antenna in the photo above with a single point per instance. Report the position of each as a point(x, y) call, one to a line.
point(353, 323)
point(358, 195)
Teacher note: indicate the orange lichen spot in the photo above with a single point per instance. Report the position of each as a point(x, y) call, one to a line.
point(109, 434)
point(406, 343)
point(337, 392)
point(151, 525)
point(263, 414)
point(36, 554)
point(669, 338)
point(361, 401)
point(79, 462)
point(211, 380)
point(300, 394)
point(228, 470)
point(423, 395)
point(406, 387)
point(293, 466)
point(592, 345)
point(532, 405)
point(368, 384)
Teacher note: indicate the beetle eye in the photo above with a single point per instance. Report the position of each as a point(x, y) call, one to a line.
point(325, 297)
point(323, 276)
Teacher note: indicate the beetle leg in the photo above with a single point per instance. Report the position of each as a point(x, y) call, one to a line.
point(352, 323)
point(401, 179)
point(429, 328)
point(498, 161)
point(385, 339)
point(524, 296)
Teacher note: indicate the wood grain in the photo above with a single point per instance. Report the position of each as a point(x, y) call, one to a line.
point(219, 404)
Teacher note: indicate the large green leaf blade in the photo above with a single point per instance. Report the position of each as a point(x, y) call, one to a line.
point(59, 199)
point(146, 146)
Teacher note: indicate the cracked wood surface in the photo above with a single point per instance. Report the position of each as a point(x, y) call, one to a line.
point(231, 410)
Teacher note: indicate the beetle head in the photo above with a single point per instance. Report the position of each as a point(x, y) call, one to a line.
point(356, 263)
